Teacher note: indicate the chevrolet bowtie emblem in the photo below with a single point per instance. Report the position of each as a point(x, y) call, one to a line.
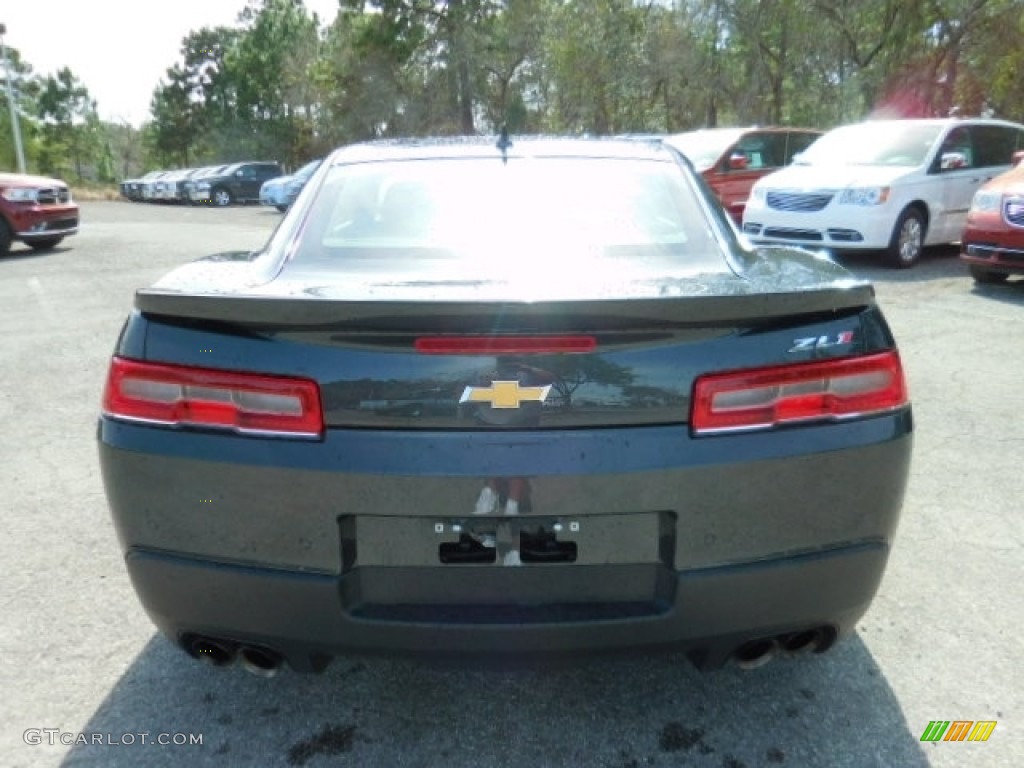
point(504, 394)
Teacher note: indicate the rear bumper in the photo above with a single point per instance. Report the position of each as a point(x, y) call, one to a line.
point(306, 616)
point(312, 548)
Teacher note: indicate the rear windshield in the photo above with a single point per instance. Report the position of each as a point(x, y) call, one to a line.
point(488, 215)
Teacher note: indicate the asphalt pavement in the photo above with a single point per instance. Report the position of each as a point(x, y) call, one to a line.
point(86, 681)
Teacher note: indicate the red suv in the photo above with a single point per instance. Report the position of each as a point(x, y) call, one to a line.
point(992, 244)
point(35, 210)
point(732, 159)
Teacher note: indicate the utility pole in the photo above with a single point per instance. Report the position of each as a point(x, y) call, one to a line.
point(15, 127)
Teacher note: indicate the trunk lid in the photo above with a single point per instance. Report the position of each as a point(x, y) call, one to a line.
point(651, 337)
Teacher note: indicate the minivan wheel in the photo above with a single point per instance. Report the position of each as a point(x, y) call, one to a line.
point(907, 239)
point(222, 198)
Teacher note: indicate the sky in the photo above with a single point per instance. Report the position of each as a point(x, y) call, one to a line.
point(119, 49)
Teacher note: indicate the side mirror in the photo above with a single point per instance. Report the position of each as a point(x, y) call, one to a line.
point(1018, 157)
point(738, 162)
point(953, 160)
point(238, 174)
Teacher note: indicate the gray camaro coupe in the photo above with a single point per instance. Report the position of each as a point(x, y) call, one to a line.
point(522, 396)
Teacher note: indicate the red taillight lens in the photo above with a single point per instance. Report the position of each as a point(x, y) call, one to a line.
point(504, 345)
point(243, 402)
point(766, 397)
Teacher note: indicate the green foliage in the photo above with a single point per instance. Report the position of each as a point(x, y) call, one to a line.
point(177, 120)
point(70, 131)
point(25, 89)
point(61, 132)
point(283, 85)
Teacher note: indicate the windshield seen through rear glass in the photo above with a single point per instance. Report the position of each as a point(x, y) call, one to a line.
point(491, 215)
point(882, 143)
point(703, 148)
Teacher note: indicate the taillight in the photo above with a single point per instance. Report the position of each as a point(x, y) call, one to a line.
point(504, 345)
point(761, 398)
point(175, 395)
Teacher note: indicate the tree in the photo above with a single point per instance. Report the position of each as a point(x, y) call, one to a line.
point(177, 119)
point(204, 62)
point(595, 74)
point(870, 35)
point(510, 63)
point(276, 85)
point(269, 65)
point(125, 144)
point(25, 87)
point(996, 58)
point(67, 113)
point(570, 372)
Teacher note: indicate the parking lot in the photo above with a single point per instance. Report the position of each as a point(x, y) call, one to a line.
point(941, 642)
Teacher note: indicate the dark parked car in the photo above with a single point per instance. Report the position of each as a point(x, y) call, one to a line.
point(35, 210)
point(238, 183)
point(992, 244)
point(190, 193)
point(732, 159)
point(531, 397)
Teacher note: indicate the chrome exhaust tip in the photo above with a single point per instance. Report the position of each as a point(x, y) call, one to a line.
point(755, 653)
point(261, 662)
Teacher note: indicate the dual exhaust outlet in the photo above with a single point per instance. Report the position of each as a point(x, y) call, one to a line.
point(756, 653)
point(265, 662)
point(255, 659)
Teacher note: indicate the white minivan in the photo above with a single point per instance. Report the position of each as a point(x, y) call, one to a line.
point(886, 185)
